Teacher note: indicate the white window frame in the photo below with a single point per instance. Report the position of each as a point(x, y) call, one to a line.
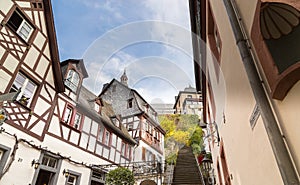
point(77, 121)
point(70, 80)
point(22, 97)
point(67, 117)
point(107, 138)
point(48, 161)
point(96, 178)
point(75, 175)
point(100, 134)
point(22, 27)
point(5, 151)
point(123, 149)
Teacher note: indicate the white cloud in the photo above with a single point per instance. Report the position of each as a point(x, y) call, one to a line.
point(161, 78)
point(173, 11)
point(101, 73)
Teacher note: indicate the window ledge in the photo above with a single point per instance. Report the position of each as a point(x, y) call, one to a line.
point(69, 126)
point(23, 106)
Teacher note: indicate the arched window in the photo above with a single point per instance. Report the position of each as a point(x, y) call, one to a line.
point(276, 35)
point(72, 80)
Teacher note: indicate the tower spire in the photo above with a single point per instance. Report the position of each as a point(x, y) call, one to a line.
point(124, 78)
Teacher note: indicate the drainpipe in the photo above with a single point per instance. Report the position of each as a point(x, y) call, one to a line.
point(282, 156)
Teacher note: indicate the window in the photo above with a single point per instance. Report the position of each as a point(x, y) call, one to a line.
point(72, 80)
point(20, 25)
point(48, 170)
point(4, 154)
point(130, 103)
point(128, 151)
point(107, 138)
point(97, 178)
point(97, 107)
point(123, 149)
point(156, 134)
point(146, 127)
point(37, 5)
point(73, 178)
point(116, 122)
point(278, 51)
point(77, 121)
point(213, 36)
point(130, 126)
point(27, 89)
point(100, 134)
point(67, 115)
point(49, 161)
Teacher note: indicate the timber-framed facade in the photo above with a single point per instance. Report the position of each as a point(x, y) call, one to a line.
point(57, 131)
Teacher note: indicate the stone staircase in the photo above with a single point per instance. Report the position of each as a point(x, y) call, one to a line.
point(186, 170)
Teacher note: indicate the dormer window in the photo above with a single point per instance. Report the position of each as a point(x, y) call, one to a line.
point(130, 103)
point(72, 80)
point(97, 107)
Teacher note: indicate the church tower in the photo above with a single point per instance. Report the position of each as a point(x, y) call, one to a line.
point(124, 78)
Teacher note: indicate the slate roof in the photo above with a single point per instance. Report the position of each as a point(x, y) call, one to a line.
point(79, 64)
point(86, 105)
point(138, 98)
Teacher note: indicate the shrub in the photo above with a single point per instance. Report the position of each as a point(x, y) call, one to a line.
point(120, 176)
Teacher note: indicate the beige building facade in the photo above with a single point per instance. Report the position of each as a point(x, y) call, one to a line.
point(248, 68)
point(188, 101)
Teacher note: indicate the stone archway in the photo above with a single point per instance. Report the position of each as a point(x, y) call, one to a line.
point(148, 182)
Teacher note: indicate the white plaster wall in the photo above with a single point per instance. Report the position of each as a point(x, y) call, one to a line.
point(42, 66)
point(23, 4)
point(289, 115)
point(4, 83)
point(10, 63)
point(23, 158)
point(5, 6)
point(31, 57)
point(248, 152)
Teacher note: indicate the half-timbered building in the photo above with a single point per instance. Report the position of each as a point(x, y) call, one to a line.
point(138, 117)
point(57, 131)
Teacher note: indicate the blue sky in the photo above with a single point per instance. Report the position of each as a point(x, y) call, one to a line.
point(154, 54)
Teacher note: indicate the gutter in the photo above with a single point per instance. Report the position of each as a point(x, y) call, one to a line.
point(284, 161)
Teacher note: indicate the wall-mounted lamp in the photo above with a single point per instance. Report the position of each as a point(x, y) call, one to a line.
point(3, 116)
point(35, 163)
point(206, 163)
point(66, 173)
point(214, 133)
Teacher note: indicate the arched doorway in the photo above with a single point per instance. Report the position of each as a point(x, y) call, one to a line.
point(148, 182)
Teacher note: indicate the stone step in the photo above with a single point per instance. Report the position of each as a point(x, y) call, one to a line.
point(186, 170)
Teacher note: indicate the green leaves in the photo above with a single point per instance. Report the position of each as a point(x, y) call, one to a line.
point(180, 130)
point(120, 176)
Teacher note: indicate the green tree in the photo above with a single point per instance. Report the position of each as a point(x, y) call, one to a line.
point(120, 176)
point(180, 130)
point(196, 140)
